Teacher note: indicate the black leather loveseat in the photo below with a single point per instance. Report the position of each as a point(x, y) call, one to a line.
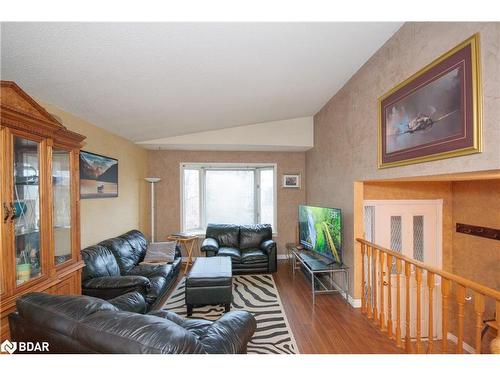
point(82, 324)
point(112, 268)
point(251, 247)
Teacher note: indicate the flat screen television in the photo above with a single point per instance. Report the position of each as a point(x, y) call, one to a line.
point(320, 230)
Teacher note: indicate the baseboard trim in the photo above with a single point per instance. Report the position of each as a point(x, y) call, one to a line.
point(354, 302)
point(280, 257)
point(465, 346)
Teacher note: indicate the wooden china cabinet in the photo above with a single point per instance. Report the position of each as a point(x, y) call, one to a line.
point(39, 197)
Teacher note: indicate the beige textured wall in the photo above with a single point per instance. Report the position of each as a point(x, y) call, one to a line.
point(476, 258)
point(165, 164)
point(107, 217)
point(345, 129)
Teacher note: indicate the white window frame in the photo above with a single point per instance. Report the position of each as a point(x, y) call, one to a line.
point(203, 167)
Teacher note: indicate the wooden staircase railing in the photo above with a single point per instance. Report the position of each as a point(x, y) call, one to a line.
point(381, 267)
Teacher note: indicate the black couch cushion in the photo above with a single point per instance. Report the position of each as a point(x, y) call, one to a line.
point(151, 270)
point(81, 324)
point(251, 236)
point(138, 242)
point(59, 313)
point(251, 256)
point(232, 252)
point(132, 302)
point(226, 235)
point(158, 287)
point(123, 332)
point(126, 256)
point(112, 268)
point(99, 262)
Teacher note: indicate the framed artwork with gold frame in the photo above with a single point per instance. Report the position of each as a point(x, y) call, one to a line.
point(434, 114)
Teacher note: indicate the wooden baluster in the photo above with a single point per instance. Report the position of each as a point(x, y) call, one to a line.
point(460, 313)
point(398, 303)
point(382, 286)
point(445, 292)
point(374, 284)
point(418, 278)
point(389, 295)
point(370, 280)
point(363, 286)
point(495, 344)
point(479, 310)
point(430, 285)
point(407, 308)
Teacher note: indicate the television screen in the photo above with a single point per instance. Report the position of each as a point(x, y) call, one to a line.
point(320, 230)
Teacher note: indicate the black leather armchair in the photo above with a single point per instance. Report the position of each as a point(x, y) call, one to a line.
point(250, 247)
point(112, 268)
point(82, 324)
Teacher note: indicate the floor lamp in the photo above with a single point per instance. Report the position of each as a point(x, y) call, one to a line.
point(152, 181)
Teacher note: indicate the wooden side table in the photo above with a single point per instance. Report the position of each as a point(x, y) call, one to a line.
point(188, 243)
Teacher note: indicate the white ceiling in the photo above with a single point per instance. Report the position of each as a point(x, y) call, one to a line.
point(152, 80)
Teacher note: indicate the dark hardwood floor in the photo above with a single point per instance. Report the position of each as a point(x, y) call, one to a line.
point(331, 326)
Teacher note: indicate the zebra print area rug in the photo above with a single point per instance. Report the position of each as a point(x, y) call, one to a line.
point(258, 295)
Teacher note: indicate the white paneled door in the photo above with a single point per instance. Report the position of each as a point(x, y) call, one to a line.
point(413, 228)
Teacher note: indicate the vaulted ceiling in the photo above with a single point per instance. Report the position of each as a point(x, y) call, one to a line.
point(151, 80)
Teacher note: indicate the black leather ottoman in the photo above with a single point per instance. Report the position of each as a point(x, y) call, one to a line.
point(209, 282)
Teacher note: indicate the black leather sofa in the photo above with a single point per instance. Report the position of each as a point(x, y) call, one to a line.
point(112, 268)
point(251, 247)
point(82, 324)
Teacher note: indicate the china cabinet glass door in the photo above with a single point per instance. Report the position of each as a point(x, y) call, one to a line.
point(25, 209)
point(61, 185)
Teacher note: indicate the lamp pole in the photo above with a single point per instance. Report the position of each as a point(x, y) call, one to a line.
point(152, 181)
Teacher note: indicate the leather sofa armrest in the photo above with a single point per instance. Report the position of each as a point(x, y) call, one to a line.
point(165, 314)
point(132, 302)
point(268, 246)
point(230, 334)
point(209, 244)
point(178, 252)
point(108, 287)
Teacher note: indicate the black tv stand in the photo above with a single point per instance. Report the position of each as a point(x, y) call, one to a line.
point(316, 269)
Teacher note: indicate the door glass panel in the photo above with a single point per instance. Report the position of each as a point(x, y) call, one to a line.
point(396, 234)
point(418, 238)
point(396, 238)
point(61, 182)
point(370, 223)
point(26, 209)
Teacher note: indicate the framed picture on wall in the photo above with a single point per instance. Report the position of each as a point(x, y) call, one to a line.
point(98, 176)
point(434, 114)
point(291, 181)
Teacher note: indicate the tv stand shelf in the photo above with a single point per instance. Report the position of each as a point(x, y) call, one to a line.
point(319, 270)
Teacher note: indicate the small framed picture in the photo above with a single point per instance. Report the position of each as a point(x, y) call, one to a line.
point(291, 180)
